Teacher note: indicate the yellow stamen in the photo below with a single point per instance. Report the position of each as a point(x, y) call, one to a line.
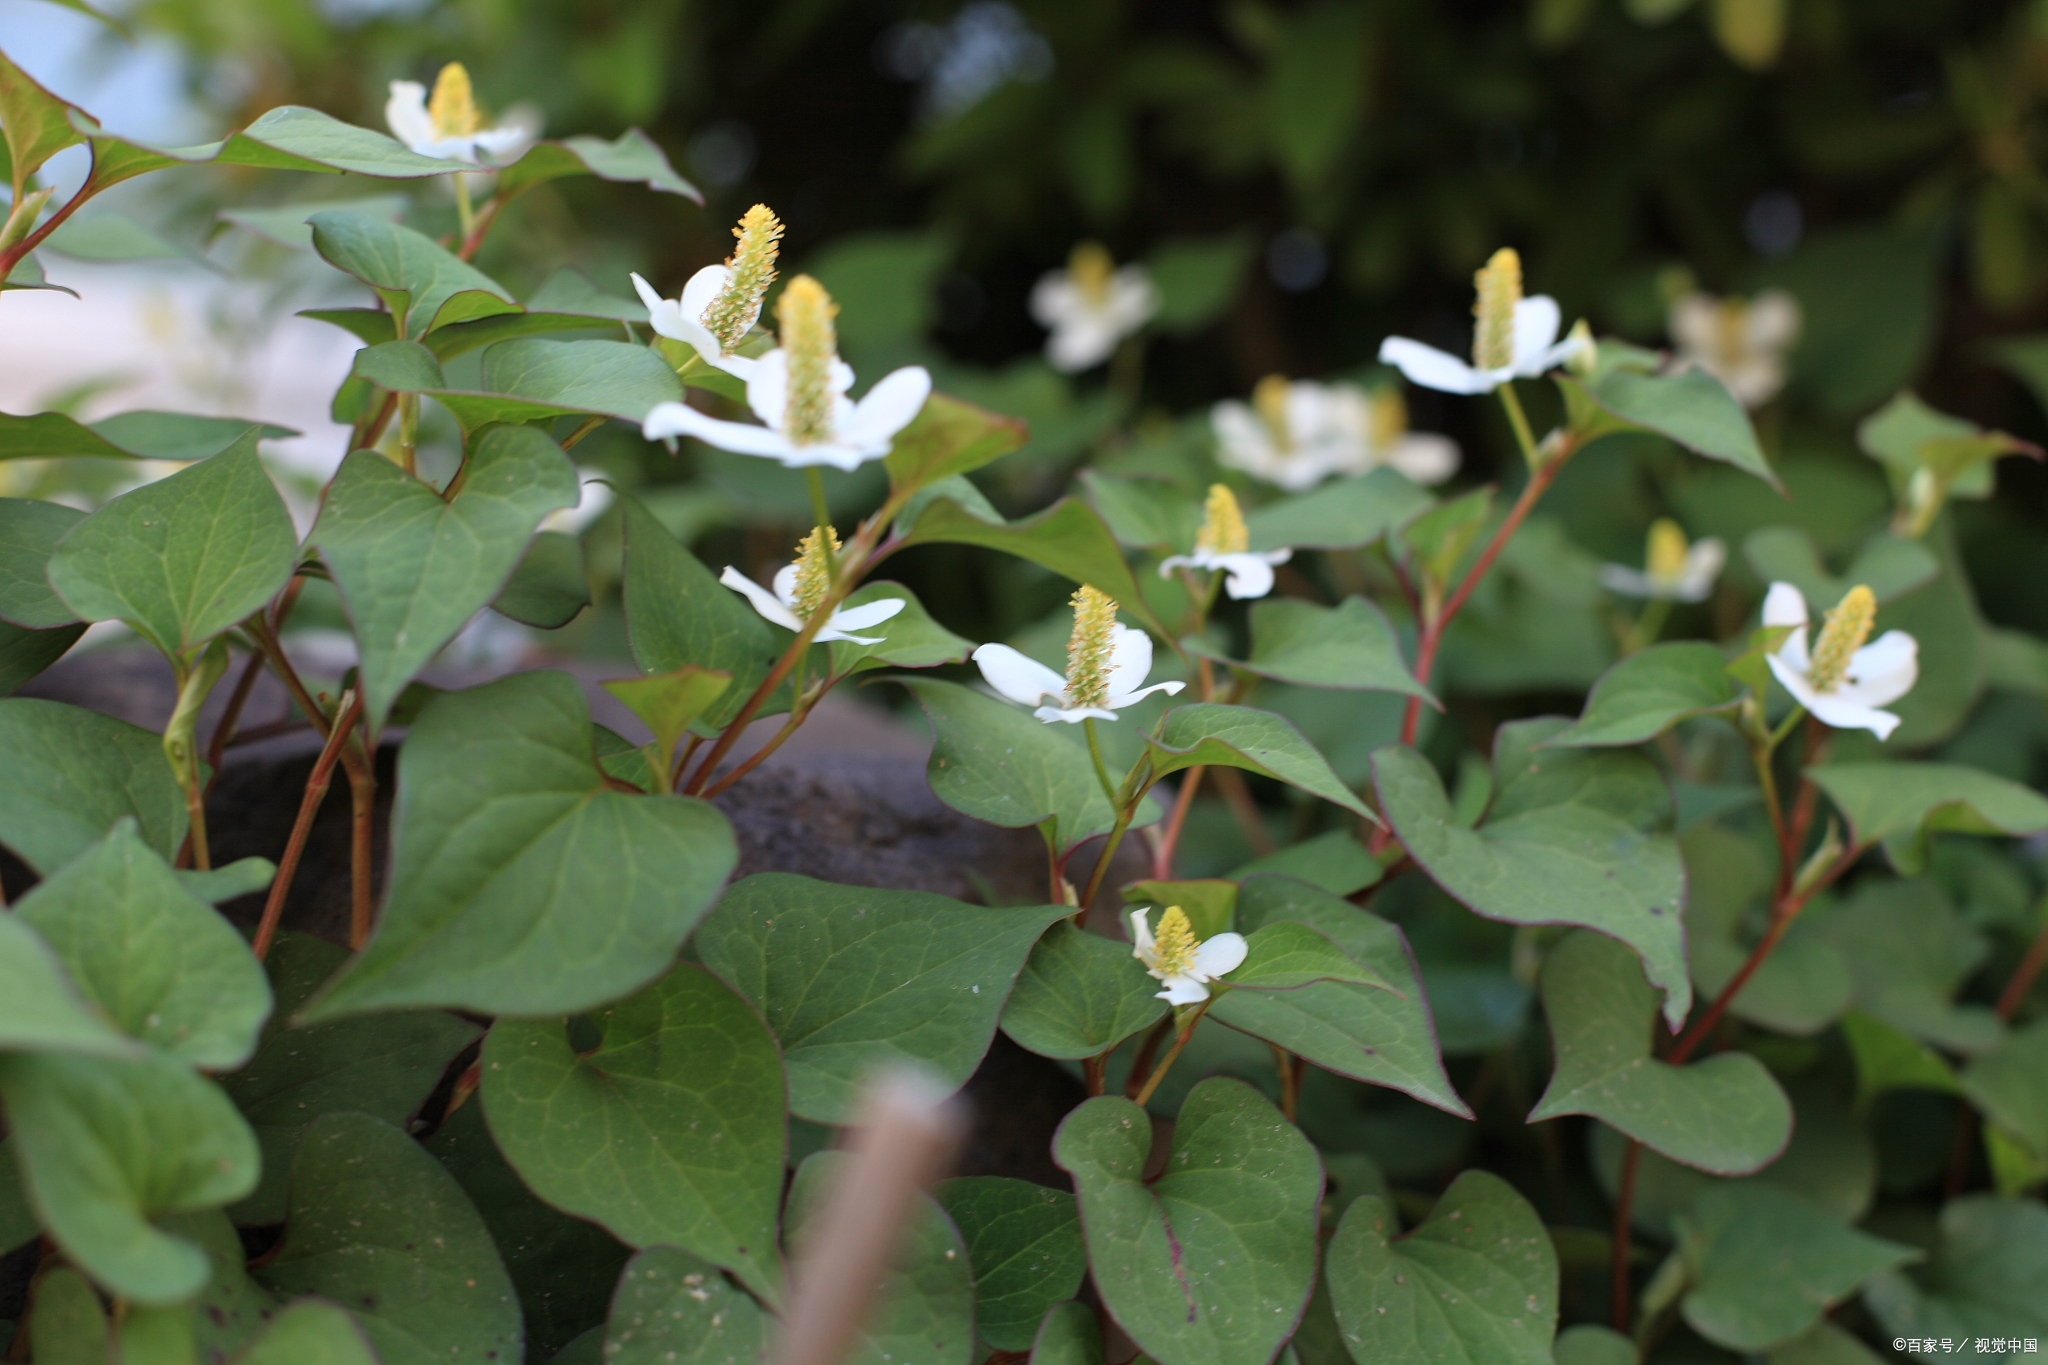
point(1664, 559)
point(1269, 400)
point(1845, 630)
point(452, 106)
point(738, 306)
point(1500, 289)
point(1090, 267)
point(1731, 333)
point(1089, 647)
point(805, 311)
point(1174, 944)
point(813, 577)
point(1223, 531)
point(1387, 417)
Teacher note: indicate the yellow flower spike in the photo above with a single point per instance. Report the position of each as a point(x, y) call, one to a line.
point(1174, 943)
point(805, 312)
point(738, 306)
point(1500, 288)
point(1089, 648)
point(1664, 557)
point(453, 103)
point(813, 575)
point(1269, 400)
point(1223, 530)
point(1846, 628)
point(1090, 267)
point(1387, 417)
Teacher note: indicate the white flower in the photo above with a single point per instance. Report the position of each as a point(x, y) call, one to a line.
point(1516, 338)
point(1844, 681)
point(1672, 570)
point(799, 588)
point(449, 124)
point(681, 319)
point(1223, 543)
point(596, 497)
point(1106, 668)
point(1091, 306)
point(1295, 435)
point(720, 303)
point(799, 390)
point(1741, 343)
point(1176, 958)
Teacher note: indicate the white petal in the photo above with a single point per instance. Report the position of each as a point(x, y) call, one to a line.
point(1132, 299)
point(1433, 369)
point(1425, 457)
point(1054, 299)
point(1220, 955)
point(768, 387)
point(784, 583)
point(667, 319)
point(891, 405)
point(1141, 935)
point(764, 601)
point(1784, 605)
point(1072, 715)
point(1119, 700)
point(1793, 680)
point(1626, 581)
point(680, 419)
point(1183, 990)
point(1844, 714)
point(501, 142)
point(1172, 562)
point(1695, 325)
point(1017, 677)
point(405, 113)
point(1249, 576)
point(1130, 659)
point(829, 634)
point(1536, 322)
point(866, 614)
point(1081, 342)
point(1705, 560)
point(1773, 320)
point(1882, 671)
point(701, 290)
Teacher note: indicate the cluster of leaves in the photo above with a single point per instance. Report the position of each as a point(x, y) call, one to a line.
point(548, 1100)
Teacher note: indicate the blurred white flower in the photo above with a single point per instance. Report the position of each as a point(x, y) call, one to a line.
point(450, 126)
point(1224, 543)
point(1671, 570)
point(1296, 434)
point(1741, 342)
point(1843, 681)
point(1091, 306)
point(1176, 958)
point(1106, 667)
point(1516, 338)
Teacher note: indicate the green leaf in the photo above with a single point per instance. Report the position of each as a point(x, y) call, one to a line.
point(1649, 692)
point(1197, 280)
point(310, 1333)
point(108, 235)
point(126, 435)
point(673, 1309)
point(852, 979)
point(423, 284)
point(288, 137)
point(105, 1146)
point(1886, 564)
point(71, 773)
point(1333, 860)
point(1692, 408)
point(1374, 1035)
point(531, 377)
point(1908, 955)
point(1209, 903)
point(412, 569)
point(910, 638)
point(1477, 1281)
point(1889, 1058)
point(35, 123)
point(68, 1326)
point(1350, 645)
point(1069, 538)
point(184, 558)
point(1724, 1115)
point(923, 1310)
point(40, 1009)
point(630, 158)
point(668, 1132)
point(163, 965)
point(29, 532)
point(1572, 837)
point(1068, 1335)
point(378, 1224)
point(668, 702)
point(1285, 955)
point(287, 224)
point(25, 653)
point(948, 437)
point(1079, 995)
point(1901, 804)
point(1211, 733)
point(520, 884)
point(678, 614)
point(1000, 764)
point(242, 877)
point(1211, 1263)
point(2009, 1084)
point(1822, 1344)
point(384, 1065)
point(1906, 436)
point(1438, 539)
point(549, 586)
point(1984, 1278)
point(1024, 1242)
point(1144, 513)
point(1586, 1344)
point(1766, 1264)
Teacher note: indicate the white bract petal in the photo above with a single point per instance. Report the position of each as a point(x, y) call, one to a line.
point(862, 431)
point(1016, 676)
point(1250, 572)
point(1086, 325)
point(1026, 681)
point(406, 115)
point(683, 319)
point(1876, 674)
point(1180, 963)
point(1537, 351)
point(778, 606)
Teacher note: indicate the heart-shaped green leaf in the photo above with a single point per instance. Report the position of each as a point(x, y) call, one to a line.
point(163, 965)
point(1476, 1282)
point(107, 1145)
point(668, 702)
point(1901, 804)
point(1649, 692)
point(1285, 955)
point(948, 437)
point(310, 1333)
point(1888, 565)
point(549, 586)
point(1350, 645)
point(1344, 514)
point(1211, 733)
point(29, 532)
point(1144, 513)
point(35, 123)
point(184, 558)
point(288, 138)
point(1069, 1334)
point(69, 1326)
point(40, 1009)
point(1079, 995)
point(1210, 1263)
point(423, 284)
point(2010, 1085)
point(1381, 1036)
point(678, 614)
point(71, 773)
point(687, 1087)
point(1908, 955)
point(412, 568)
point(377, 1224)
point(521, 884)
point(1725, 1115)
point(1984, 1279)
point(1024, 1242)
point(852, 979)
point(1572, 837)
point(145, 435)
point(1691, 407)
point(673, 1309)
point(630, 158)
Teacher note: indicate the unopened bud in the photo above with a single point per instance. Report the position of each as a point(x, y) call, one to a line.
point(1223, 531)
point(1499, 286)
point(751, 270)
point(1584, 357)
point(810, 344)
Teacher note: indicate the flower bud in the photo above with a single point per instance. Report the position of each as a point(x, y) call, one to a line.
point(1089, 648)
point(1585, 357)
point(1223, 530)
point(1500, 289)
point(811, 344)
point(752, 269)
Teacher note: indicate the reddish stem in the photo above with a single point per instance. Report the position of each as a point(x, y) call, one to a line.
point(362, 792)
point(1624, 1231)
point(1162, 856)
point(309, 806)
point(2023, 976)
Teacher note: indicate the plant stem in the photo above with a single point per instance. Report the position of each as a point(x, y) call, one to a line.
point(1624, 1228)
point(1511, 402)
point(1288, 1066)
point(1141, 1065)
point(797, 716)
point(464, 213)
point(583, 429)
point(2023, 977)
point(1649, 625)
point(484, 218)
point(1091, 1073)
point(1238, 797)
point(362, 794)
point(1109, 847)
point(409, 432)
point(1095, 753)
point(232, 715)
point(1162, 856)
point(309, 806)
point(1180, 1041)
